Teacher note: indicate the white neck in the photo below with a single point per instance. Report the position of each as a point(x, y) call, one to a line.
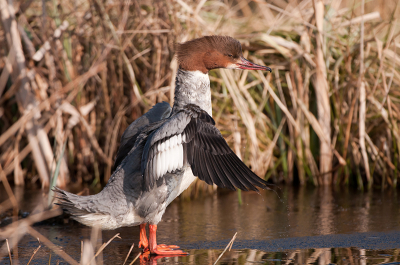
point(192, 87)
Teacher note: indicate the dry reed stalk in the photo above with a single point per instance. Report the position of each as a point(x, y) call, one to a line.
point(318, 130)
point(9, 191)
point(236, 148)
point(362, 131)
point(7, 70)
point(68, 108)
point(236, 137)
point(9, 252)
point(87, 253)
point(33, 254)
point(268, 152)
point(24, 96)
point(363, 100)
point(18, 176)
point(303, 139)
point(113, 139)
point(294, 136)
point(99, 251)
point(281, 144)
point(22, 154)
point(129, 252)
point(5, 205)
point(137, 256)
point(321, 91)
point(226, 248)
point(361, 19)
point(377, 156)
point(11, 92)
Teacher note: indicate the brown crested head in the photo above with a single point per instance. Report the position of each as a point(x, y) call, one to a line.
point(211, 52)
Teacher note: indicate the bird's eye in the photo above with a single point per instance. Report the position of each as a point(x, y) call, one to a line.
point(230, 55)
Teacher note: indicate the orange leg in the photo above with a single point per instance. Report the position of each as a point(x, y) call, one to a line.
point(143, 243)
point(161, 249)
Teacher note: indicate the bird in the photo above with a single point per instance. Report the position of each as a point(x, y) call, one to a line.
point(162, 152)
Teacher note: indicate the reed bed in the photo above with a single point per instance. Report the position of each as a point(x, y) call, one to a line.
point(75, 74)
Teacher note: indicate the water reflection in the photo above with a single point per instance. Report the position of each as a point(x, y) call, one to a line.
point(304, 225)
point(321, 256)
point(305, 212)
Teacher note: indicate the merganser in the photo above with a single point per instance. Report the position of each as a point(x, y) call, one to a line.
point(163, 151)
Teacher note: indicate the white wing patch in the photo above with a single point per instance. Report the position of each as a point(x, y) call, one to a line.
point(168, 156)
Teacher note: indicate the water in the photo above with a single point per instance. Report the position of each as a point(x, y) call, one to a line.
point(310, 226)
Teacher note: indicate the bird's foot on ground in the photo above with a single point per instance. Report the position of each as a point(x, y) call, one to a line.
point(161, 249)
point(144, 245)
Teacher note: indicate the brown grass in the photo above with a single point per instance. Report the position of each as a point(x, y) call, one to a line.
point(91, 68)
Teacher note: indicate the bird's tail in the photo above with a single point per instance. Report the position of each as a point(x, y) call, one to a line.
point(80, 208)
point(69, 202)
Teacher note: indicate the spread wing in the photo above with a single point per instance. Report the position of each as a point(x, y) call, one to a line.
point(190, 138)
point(156, 113)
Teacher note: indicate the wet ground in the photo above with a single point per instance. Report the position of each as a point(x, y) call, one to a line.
point(301, 226)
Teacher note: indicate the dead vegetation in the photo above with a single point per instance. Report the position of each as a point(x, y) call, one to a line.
point(74, 74)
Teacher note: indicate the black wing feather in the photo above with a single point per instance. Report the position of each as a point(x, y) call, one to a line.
point(235, 175)
point(253, 178)
point(194, 164)
point(211, 158)
point(212, 172)
point(222, 175)
point(203, 167)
